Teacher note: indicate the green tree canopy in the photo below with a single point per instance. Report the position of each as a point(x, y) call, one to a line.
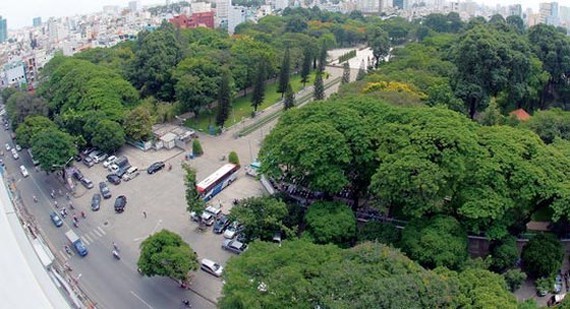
point(166, 254)
point(108, 136)
point(330, 222)
point(262, 217)
point(31, 126)
point(53, 148)
point(439, 241)
point(138, 124)
point(542, 256)
point(22, 104)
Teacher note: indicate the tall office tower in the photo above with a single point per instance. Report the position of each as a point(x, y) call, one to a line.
point(223, 9)
point(515, 10)
point(398, 4)
point(369, 6)
point(549, 13)
point(37, 21)
point(3, 30)
point(134, 6)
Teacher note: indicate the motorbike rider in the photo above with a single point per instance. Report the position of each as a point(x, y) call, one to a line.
point(67, 249)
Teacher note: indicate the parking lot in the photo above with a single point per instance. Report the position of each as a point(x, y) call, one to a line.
point(161, 197)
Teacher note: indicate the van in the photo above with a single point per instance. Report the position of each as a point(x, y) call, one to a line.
point(216, 212)
point(131, 173)
point(211, 267)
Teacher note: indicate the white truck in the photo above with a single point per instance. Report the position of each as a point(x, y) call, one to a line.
point(76, 242)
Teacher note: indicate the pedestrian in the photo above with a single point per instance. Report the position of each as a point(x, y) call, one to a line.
point(144, 214)
point(55, 203)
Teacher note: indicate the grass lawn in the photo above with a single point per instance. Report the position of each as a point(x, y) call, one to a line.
point(543, 214)
point(242, 106)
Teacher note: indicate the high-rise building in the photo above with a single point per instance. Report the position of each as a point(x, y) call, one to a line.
point(134, 6)
point(3, 30)
point(515, 10)
point(237, 15)
point(223, 9)
point(369, 6)
point(37, 21)
point(549, 13)
point(398, 4)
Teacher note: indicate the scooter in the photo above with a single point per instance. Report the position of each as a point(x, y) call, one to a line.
point(116, 254)
point(67, 249)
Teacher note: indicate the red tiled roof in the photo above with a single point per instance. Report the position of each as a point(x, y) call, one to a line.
point(521, 114)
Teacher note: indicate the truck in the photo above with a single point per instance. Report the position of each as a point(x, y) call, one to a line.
point(76, 242)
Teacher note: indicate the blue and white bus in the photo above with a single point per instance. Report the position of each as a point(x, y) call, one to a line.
point(216, 182)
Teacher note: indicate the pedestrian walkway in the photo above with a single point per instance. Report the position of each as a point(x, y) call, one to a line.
point(93, 235)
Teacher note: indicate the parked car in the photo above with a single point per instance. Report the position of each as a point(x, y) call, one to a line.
point(131, 173)
point(24, 171)
point(56, 219)
point(77, 174)
point(100, 157)
point(8, 148)
point(105, 192)
point(87, 151)
point(155, 167)
point(18, 148)
point(96, 202)
point(216, 212)
point(110, 160)
point(221, 224)
point(114, 179)
point(558, 284)
point(78, 158)
point(211, 267)
point(234, 246)
point(207, 218)
point(15, 154)
point(86, 182)
point(94, 154)
point(120, 203)
point(88, 161)
point(113, 168)
point(232, 230)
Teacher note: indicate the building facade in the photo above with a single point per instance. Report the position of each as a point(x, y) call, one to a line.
point(3, 30)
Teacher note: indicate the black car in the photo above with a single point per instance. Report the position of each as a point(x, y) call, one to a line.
point(120, 203)
point(104, 190)
point(77, 174)
point(96, 202)
point(221, 224)
point(155, 167)
point(114, 179)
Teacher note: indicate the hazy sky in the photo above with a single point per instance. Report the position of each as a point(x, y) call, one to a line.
point(21, 12)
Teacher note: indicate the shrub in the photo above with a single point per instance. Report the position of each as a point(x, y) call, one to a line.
point(233, 158)
point(197, 148)
point(505, 254)
point(514, 279)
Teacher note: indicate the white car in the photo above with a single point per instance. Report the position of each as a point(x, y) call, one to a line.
point(232, 230)
point(8, 148)
point(110, 160)
point(113, 168)
point(18, 148)
point(211, 267)
point(15, 154)
point(24, 171)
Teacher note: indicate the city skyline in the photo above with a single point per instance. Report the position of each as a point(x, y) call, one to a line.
point(20, 14)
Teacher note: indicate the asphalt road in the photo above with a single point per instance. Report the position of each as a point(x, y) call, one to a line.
point(109, 282)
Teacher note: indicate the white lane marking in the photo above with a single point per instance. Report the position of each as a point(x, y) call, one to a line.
point(97, 234)
point(156, 226)
point(142, 301)
point(101, 230)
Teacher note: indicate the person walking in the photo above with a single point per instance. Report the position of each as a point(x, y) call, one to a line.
point(144, 214)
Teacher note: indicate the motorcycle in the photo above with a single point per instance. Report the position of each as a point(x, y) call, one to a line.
point(116, 254)
point(35, 198)
point(67, 249)
point(83, 215)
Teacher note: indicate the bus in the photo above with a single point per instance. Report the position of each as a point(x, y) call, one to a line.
point(216, 182)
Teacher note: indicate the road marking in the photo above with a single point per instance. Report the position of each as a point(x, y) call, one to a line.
point(144, 302)
point(87, 239)
point(101, 230)
point(97, 234)
point(156, 226)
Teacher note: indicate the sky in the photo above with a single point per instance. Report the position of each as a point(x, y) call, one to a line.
point(20, 13)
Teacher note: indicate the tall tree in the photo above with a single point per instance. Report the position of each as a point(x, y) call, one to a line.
point(322, 57)
point(542, 256)
point(345, 73)
point(306, 66)
point(284, 73)
point(262, 217)
point(319, 91)
point(108, 136)
point(361, 71)
point(194, 203)
point(259, 86)
point(166, 254)
point(224, 98)
point(53, 149)
point(331, 222)
point(380, 43)
point(138, 124)
point(289, 101)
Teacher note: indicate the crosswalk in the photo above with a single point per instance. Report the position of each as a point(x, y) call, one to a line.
point(87, 238)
